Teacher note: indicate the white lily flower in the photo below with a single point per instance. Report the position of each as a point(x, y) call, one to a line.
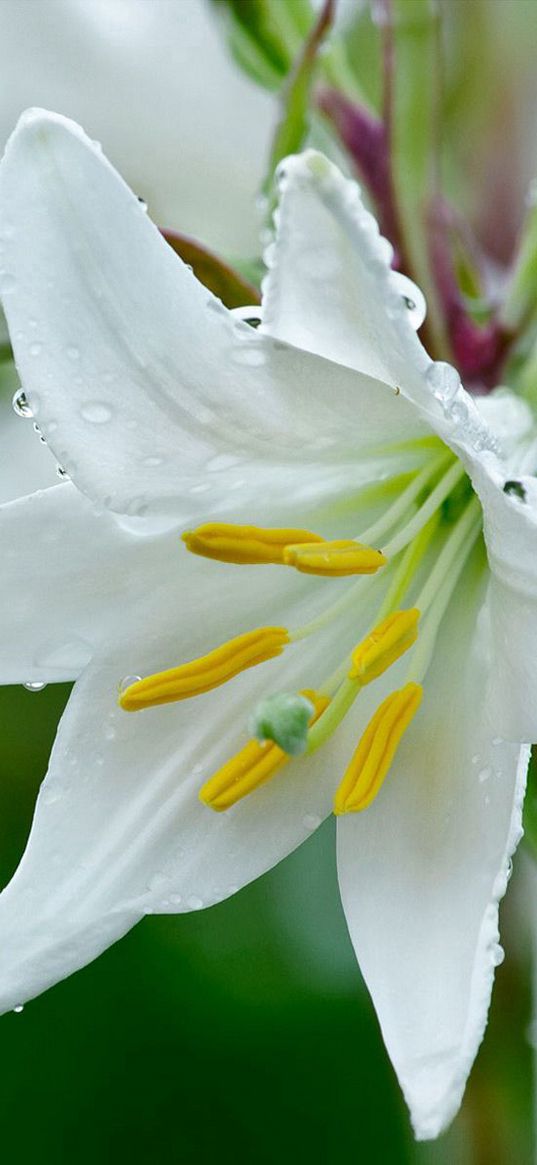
point(329, 422)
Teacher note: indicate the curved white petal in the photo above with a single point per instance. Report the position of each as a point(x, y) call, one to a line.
point(422, 872)
point(330, 288)
point(510, 526)
point(146, 388)
point(155, 83)
point(119, 830)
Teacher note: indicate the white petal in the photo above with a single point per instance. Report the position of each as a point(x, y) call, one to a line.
point(119, 830)
point(144, 385)
point(330, 288)
point(422, 872)
point(510, 526)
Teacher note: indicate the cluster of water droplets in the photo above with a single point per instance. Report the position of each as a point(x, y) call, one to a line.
point(458, 407)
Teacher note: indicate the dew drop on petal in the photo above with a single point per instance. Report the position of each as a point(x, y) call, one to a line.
point(20, 1007)
point(251, 315)
point(62, 473)
point(444, 381)
point(221, 461)
point(152, 461)
point(498, 954)
point(34, 686)
point(96, 411)
point(21, 404)
point(413, 298)
point(7, 283)
point(127, 682)
point(35, 349)
point(311, 821)
point(73, 352)
point(194, 903)
point(249, 354)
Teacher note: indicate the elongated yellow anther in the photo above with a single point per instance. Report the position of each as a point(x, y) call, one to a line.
point(207, 672)
point(251, 767)
point(334, 559)
point(244, 544)
point(376, 750)
point(389, 640)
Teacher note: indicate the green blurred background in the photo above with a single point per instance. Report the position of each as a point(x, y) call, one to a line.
point(238, 1034)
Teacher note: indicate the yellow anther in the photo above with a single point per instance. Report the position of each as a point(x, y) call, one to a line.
point(334, 559)
point(207, 672)
point(384, 645)
point(251, 767)
point(376, 750)
point(244, 544)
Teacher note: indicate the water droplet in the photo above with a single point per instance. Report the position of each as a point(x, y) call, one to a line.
point(141, 202)
point(98, 412)
point(412, 297)
point(221, 461)
point(35, 349)
point(34, 686)
point(127, 681)
point(444, 381)
point(251, 315)
point(251, 354)
point(200, 488)
point(311, 821)
point(73, 352)
point(7, 283)
point(498, 954)
point(62, 473)
point(485, 774)
point(496, 740)
point(18, 1008)
point(151, 462)
point(194, 903)
point(509, 870)
point(110, 733)
point(21, 405)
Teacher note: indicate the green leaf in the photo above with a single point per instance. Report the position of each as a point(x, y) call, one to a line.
point(520, 303)
point(414, 129)
point(226, 283)
point(294, 122)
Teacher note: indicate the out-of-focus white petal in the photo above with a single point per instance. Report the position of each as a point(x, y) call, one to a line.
point(147, 389)
point(153, 81)
point(422, 872)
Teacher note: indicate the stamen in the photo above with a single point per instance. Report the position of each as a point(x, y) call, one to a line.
point(207, 672)
point(244, 544)
point(251, 767)
point(386, 643)
point(334, 559)
point(382, 647)
point(376, 750)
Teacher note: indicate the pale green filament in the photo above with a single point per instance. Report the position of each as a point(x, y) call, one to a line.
point(460, 545)
point(426, 511)
point(393, 515)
